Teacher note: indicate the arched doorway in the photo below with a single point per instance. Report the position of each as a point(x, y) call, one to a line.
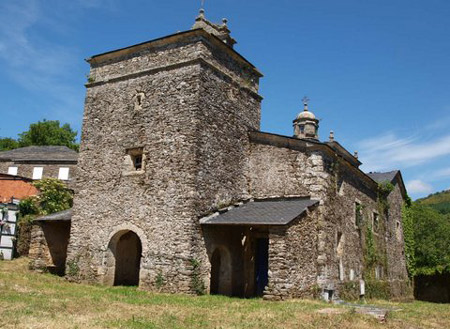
point(221, 273)
point(127, 249)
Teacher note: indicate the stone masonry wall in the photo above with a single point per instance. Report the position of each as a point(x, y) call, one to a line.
point(292, 259)
point(155, 203)
point(395, 245)
point(162, 55)
point(343, 240)
point(226, 114)
point(276, 172)
point(280, 171)
point(184, 119)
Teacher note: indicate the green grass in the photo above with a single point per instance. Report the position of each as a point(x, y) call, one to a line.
point(32, 300)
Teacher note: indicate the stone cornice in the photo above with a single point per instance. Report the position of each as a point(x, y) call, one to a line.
point(196, 61)
point(173, 38)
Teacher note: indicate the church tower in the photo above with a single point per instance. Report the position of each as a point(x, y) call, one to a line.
point(306, 125)
point(164, 141)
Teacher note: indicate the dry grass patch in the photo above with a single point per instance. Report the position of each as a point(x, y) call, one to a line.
point(32, 300)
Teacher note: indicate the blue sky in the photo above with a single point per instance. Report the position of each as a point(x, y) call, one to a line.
point(377, 72)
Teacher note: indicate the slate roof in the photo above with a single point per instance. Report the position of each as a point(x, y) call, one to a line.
point(65, 215)
point(381, 177)
point(40, 153)
point(262, 212)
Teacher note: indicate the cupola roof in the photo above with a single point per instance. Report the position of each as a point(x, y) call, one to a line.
point(306, 114)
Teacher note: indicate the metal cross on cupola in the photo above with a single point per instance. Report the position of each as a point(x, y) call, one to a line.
point(305, 101)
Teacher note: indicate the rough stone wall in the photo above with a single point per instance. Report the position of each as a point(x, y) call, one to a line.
point(293, 258)
point(186, 116)
point(275, 171)
point(395, 243)
point(226, 113)
point(347, 241)
point(158, 56)
point(39, 253)
point(48, 247)
point(343, 240)
point(155, 203)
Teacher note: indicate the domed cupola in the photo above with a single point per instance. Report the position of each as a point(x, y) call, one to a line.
point(306, 125)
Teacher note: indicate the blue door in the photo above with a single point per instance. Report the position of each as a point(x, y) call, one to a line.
point(261, 265)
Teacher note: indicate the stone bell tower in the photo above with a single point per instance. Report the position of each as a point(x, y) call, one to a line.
point(306, 125)
point(164, 140)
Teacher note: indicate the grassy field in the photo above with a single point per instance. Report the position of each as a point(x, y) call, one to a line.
point(32, 300)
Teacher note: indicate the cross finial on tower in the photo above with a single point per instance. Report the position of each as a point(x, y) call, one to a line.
point(305, 101)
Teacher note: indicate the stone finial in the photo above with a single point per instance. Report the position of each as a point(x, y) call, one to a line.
point(331, 137)
point(355, 154)
point(219, 30)
point(201, 14)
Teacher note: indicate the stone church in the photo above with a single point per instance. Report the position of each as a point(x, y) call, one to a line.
point(179, 191)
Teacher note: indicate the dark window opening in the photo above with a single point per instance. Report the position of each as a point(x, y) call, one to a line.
point(358, 214)
point(137, 158)
point(137, 162)
point(375, 222)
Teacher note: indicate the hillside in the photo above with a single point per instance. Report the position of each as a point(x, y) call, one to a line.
point(439, 201)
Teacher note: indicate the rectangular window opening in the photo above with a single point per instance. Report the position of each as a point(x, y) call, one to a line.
point(37, 172)
point(63, 173)
point(137, 158)
point(12, 171)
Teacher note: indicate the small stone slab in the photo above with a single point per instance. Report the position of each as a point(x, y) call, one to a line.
point(379, 313)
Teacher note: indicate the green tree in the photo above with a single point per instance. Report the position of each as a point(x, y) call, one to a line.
point(408, 234)
point(49, 133)
point(7, 144)
point(431, 239)
point(53, 196)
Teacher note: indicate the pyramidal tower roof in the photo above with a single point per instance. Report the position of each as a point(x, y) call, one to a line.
point(219, 30)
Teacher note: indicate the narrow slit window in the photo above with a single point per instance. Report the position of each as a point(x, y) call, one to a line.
point(138, 162)
point(376, 223)
point(358, 214)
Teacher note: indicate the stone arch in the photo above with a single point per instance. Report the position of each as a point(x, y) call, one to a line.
point(221, 272)
point(123, 255)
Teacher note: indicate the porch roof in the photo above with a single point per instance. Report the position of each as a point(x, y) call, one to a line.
point(65, 215)
point(261, 212)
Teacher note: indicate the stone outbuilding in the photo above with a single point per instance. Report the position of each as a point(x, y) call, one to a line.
point(36, 162)
point(179, 191)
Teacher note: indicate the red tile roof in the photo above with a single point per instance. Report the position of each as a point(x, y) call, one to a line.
point(15, 186)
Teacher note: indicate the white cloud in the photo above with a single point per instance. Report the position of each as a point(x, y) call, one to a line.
point(418, 186)
point(442, 173)
point(389, 151)
point(35, 62)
